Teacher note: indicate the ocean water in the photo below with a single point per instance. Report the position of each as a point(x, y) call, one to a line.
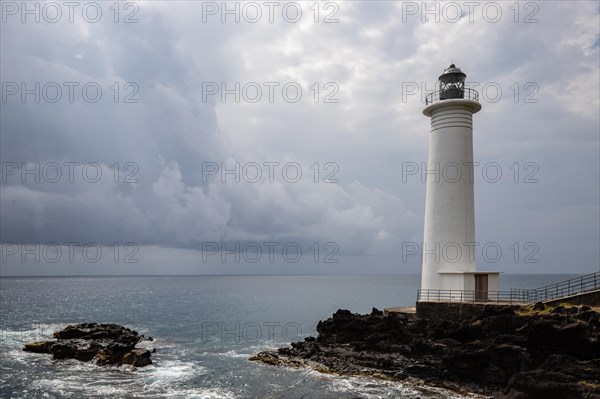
point(204, 328)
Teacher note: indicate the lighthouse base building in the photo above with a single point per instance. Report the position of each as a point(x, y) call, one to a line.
point(448, 251)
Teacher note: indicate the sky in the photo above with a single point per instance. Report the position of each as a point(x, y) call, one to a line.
point(188, 137)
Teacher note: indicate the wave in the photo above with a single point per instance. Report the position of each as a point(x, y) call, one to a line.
point(370, 388)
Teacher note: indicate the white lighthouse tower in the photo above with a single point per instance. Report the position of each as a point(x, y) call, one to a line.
point(448, 251)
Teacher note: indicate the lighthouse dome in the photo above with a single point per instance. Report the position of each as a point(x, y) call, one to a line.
point(452, 74)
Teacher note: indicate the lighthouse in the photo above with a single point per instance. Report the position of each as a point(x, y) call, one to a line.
point(449, 246)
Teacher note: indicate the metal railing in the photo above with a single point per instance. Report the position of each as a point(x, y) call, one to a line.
point(517, 296)
point(579, 285)
point(588, 282)
point(465, 93)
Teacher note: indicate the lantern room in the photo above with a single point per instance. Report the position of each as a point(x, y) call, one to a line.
point(452, 83)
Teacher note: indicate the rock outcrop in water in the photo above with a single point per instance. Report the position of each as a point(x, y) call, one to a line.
point(102, 344)
point(549, 353)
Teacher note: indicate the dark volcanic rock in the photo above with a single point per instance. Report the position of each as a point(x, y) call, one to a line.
point(38, 347)
point(529, 355)
point(547, 336)
point(102, 344)
point(560, 377)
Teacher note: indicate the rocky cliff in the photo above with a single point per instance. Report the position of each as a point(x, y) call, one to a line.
point(534, 353)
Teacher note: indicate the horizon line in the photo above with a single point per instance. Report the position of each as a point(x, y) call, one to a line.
point(260, 275)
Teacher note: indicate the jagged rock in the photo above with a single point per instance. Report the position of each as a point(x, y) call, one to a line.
point(38, 347)
point(541, 384)
point(546, 336)
point(560, 309)
point(137, 358)
point(508, 354)
point(102, 344)
point(560, 377)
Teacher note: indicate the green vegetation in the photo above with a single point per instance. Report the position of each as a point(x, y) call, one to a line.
point(537, 309)
point(531, 310)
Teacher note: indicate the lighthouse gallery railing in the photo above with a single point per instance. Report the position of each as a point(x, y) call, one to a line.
point(563, 289)
point(465, 93)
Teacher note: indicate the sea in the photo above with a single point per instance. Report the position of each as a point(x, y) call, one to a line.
point(204, 328)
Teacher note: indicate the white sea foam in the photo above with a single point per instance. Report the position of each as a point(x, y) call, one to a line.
point(169, 371)
point(371, 388)
point(170, 379)
point(12, 342)
point(74, 386)
point(199, 393)
point(234, 354)
point(166, 380)
point(246, 352)
point(33, 332)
